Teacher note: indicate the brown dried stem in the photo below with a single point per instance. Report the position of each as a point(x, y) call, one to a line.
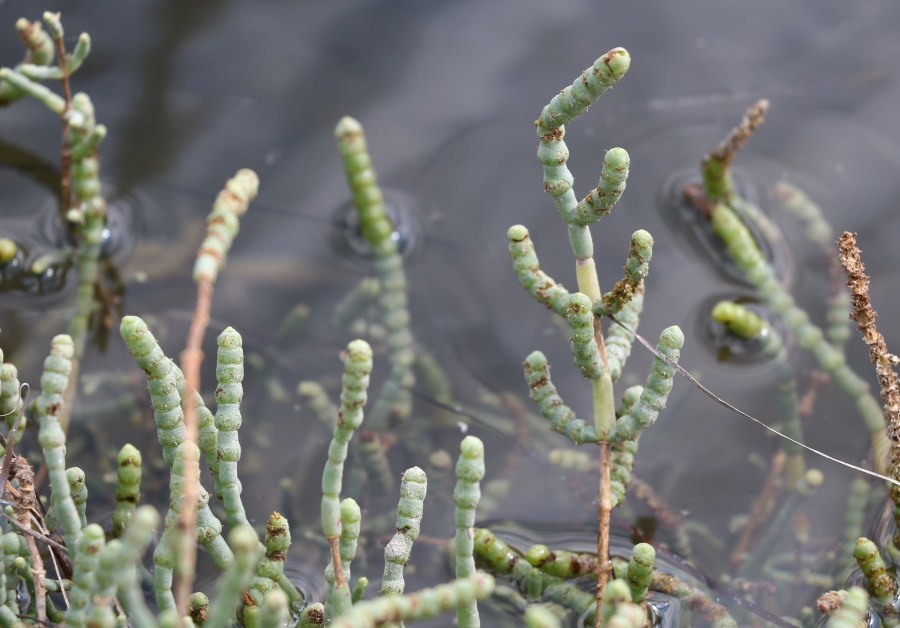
point(65, 161)
point(717, 164)
point(865, 316)
point(24, 505)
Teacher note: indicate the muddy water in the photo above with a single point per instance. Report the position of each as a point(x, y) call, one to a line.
point(448, 93)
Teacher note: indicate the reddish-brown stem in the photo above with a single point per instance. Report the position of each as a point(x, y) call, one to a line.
point(191, 359)
point(65, 184)
point(334, 542)
point(605, 509)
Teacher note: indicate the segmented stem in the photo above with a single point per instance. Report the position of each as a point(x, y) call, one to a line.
point(581, 336)
point(640, 570)
point(162, 384)
point(656, 389)
point(417, 606)
point(543, 288)
point(271, 567)
point(54, 383)
point(413, 486)
point(636, 269)
point(338, 597)
point(223, 223)
point(78, 489)
point(229, 392)
point(85, 566)
point(354, 388)
point(618, 340)
point(545, 396)
point(881, 583)
point(135, 540)
point(246, 548)
point(469, 473)
point(128, 487)
point(744, 250)
point(376, 227)
point(500, 558)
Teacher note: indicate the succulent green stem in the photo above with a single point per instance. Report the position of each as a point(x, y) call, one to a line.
point(413, 486)
point(545, 396)
point(656, 389)
point(469, 473)
point(640, 570)
point(229, 392)
point(223, 223)
point(54, 383)
point(128, 487)
point(338, 597)
point(882, 584)
point(376, 227)
point(636, 269)
point(246, 548)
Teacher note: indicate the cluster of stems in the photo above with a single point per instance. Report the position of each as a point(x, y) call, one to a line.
point(600, 361)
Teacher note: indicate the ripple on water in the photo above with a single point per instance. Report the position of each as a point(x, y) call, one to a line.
point(728, 347)
point(347, 239)
point(46, 253)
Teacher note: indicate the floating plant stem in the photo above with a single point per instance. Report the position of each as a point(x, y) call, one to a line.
point(747, 324)
point(394, 398)
point(417, 606)
point(793, 200)
point(469, 472)
point(413, 487)
point(199, 608)
point(750, 259)
point(500, 558)
point(316, 398)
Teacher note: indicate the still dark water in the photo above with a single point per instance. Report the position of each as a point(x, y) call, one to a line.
point(447, 93)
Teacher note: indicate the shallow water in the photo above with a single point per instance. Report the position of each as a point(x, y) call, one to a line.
point(448, 94)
